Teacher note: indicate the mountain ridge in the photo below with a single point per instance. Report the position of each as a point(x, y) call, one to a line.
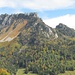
point(12, 23)
point(9, 22)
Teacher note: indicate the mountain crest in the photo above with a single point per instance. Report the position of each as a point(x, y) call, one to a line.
point(12, 25)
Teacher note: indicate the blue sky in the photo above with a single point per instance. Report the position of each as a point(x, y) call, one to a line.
point(51, 11)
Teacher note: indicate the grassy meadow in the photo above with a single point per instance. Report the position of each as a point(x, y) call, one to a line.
point(68, 73)
point(21, 72)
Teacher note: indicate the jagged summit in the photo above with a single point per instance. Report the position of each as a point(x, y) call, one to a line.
point(16, 25)
point(12, 25)
point(6, 19)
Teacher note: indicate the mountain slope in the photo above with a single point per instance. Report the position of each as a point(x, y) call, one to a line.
point(27, 42)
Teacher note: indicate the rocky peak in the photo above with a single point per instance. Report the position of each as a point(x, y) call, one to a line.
point(6, 19)
point(12, 25)
point(61, 25)
point(65, 30)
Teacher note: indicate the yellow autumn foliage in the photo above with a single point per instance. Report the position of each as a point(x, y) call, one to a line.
point(4, 72)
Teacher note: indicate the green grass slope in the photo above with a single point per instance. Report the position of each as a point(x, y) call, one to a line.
point(21, 72)
point(68, 73)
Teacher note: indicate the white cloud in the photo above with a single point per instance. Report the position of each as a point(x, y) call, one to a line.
point(8, 3)
point(68, 20)
point(38, 4)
